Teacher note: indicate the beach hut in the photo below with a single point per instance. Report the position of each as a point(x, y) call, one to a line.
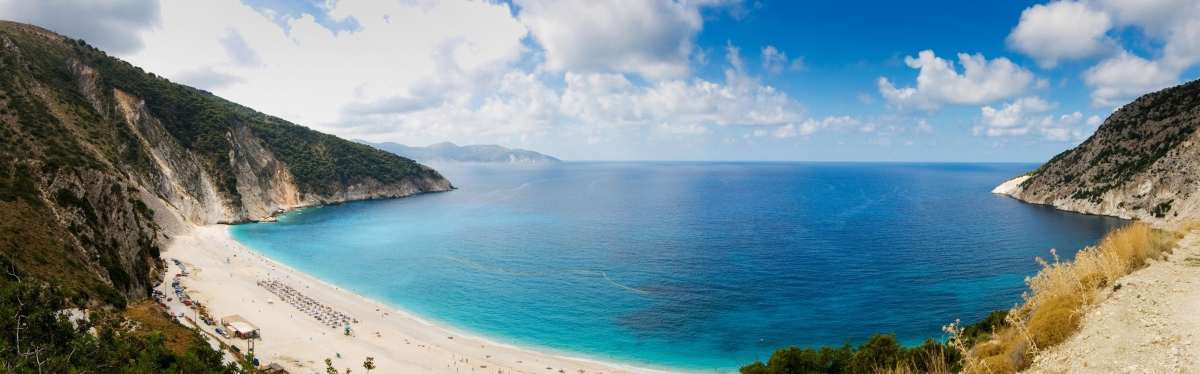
point(244, 331)
point(240, 327)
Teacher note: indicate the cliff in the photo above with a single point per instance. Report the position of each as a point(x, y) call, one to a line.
point(102, 163)
point(1142, 163)
point(450, 152)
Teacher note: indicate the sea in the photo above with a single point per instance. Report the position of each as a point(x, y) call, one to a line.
point(691, 266)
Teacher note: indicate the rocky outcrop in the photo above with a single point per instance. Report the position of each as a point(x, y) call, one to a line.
point(1142, 163)
point(265, 186)
point(175, 176)
point(101, 164)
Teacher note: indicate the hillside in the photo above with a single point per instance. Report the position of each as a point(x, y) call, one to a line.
point(101, 164)
point(1142, 163)
point(449, 152)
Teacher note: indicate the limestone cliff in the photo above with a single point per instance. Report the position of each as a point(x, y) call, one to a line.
point(101, 163)
point(1142, 163)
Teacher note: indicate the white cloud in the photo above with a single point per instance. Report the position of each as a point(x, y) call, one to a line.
point(307, 74)
point(113, 25)
point(1119, 79)
point(774, 61)
point(652, 38)
point(812, 126)
point(1026, 116)
point(787, 131)
point(1076, 29)
point(939, 82)
point(681, 129)
point(1013, 114)
point(1061, 30)
point(588, 104)
point(924, 127)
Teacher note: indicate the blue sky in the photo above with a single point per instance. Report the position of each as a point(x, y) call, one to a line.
point(667, 79)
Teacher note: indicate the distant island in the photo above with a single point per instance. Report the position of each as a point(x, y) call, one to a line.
point(450, 152)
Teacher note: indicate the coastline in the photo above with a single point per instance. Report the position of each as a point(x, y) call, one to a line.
point(299, 343)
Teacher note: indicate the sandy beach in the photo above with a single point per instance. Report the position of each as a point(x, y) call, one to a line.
point(301, 343)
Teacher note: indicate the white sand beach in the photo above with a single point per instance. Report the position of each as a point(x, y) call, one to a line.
point(300, 342)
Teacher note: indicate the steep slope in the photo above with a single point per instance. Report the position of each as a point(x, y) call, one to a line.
point(449, 152)
point(102, 163)
point(1143, 163)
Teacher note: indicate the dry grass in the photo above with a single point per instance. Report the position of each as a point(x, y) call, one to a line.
point(149, 317)
point(1060, 294)
point(935, 362)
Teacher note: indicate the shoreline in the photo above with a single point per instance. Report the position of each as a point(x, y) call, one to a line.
point(407, 343)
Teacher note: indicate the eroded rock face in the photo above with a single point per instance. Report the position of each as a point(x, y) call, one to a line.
point(141, 186)
point(265, 186)
point(1142, 163)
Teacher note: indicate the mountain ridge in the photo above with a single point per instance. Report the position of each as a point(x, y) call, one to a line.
point(450, 152)
point(1142, 163)
point(102, 164)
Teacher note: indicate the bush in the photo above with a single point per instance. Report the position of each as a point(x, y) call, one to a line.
point(1062, 292)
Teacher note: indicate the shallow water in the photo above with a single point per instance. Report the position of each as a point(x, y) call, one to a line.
point(687, 265)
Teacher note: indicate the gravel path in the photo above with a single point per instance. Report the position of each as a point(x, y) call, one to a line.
point(1151, 324)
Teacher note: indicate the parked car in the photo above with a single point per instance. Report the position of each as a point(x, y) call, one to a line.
point(222, 332)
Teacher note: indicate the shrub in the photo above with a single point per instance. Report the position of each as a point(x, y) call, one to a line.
point(1060, 294)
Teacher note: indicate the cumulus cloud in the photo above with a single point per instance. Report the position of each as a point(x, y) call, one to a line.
point(1026, 116)
point(1077, 29)
point(1012, 114)
point(308, 74)
point(1125, 76)
point(939, 82)
point(774, 61)
point(680, 129)
point(812, 126)
point(114, 26)
point(924, 127)
point(652, 38)
point(590, 102)
point(1062, 30)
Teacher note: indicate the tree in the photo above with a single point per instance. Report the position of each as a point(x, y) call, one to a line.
point(369, 364)
point(329, 367)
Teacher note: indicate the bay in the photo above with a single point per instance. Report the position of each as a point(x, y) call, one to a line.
point(687, 265)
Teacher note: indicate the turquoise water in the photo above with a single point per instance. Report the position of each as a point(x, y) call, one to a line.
point(687, 265)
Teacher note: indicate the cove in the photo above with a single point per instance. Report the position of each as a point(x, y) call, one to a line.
point(687, 265)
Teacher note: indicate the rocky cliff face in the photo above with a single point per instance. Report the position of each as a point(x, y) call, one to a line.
point(101, 164)
point(1142, 163)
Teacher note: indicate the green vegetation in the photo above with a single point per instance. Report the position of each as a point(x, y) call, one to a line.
point(880, 353)
point(322, 162)
point(73, 173)
point(1003, 341)
point(70, 163)
point(40, 338)
point(1126, 145)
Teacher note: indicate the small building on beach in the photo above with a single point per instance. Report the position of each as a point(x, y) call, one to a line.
point(240, 327)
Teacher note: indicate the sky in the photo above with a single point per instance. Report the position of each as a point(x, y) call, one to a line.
point(740, 80)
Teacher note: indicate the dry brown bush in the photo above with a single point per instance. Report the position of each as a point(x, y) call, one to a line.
point(1061, 293)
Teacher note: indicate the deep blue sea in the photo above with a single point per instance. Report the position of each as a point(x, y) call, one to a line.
point(687, 265)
